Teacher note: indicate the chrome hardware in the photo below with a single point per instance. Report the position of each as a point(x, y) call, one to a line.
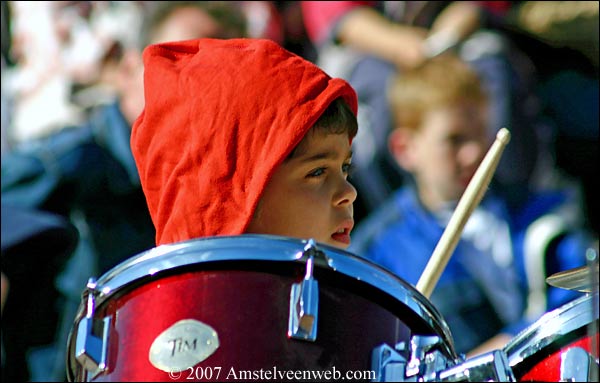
point(304, 301)
point(427, 364)
point(424, 362)
point(489, 367)
point(389, 365)
point(419, 348)
point(576, 366)
point(90, 350)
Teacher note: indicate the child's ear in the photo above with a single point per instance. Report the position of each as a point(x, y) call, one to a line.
point(399, 144)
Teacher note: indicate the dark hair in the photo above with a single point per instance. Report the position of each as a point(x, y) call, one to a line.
point(338, 118)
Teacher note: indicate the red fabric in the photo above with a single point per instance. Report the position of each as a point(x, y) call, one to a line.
point(220, 116)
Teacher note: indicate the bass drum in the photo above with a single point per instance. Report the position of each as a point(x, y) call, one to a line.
point(215, 308)
point(558, 347)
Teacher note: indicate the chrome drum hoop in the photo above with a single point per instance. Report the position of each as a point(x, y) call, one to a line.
point(550, 327)
point(271, 248)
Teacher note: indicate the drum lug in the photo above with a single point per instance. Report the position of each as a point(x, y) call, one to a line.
point(304, 301)
point(91, 350)
point(388, 364)
point(420, 346)
point(576, 366)
point(424, 363)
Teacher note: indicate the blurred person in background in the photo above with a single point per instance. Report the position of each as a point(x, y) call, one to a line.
point(280, 21)
point(494, 284)
point(87, 174)
point(368, 42)
point(52, 46)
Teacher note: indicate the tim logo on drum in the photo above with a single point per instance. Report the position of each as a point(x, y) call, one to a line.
point(183, 345)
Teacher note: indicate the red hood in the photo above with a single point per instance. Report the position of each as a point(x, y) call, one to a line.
point(220, 116)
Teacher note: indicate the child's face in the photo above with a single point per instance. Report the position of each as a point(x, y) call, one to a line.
point(446, 152)
point(309, 195)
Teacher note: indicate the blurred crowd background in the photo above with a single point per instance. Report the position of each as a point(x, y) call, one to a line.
point(56, 55)
point(65, 64)
point(59, 58)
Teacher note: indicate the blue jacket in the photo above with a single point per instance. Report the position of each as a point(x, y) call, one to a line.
point(478, 295)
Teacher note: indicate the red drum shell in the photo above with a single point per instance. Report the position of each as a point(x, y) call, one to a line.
point(247, 303)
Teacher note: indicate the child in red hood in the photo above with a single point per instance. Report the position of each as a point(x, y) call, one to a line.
point(241, 136)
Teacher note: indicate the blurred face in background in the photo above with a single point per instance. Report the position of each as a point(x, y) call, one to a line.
point(444, 153)
point(184, 23)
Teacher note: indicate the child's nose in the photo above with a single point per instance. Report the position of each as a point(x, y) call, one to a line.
point(346, 195)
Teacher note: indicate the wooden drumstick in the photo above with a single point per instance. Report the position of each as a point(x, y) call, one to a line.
point(469, 200)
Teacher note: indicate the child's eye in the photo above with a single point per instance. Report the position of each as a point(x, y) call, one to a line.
point(316, 172)
point(346, 169)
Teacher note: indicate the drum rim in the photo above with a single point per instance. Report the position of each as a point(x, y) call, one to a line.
point(153, 261)
point(578, 313)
